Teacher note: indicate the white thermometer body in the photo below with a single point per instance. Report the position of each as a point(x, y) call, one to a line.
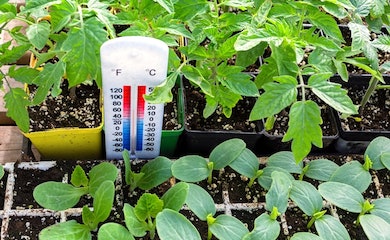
point(132, 67)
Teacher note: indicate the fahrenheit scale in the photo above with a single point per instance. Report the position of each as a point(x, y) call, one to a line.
point(132, 67)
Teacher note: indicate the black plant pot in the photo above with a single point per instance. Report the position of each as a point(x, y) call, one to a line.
point(273, 142)
point(202, 140)
point(357, 131)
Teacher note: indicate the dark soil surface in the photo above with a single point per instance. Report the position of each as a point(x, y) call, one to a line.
point(83, 110)
point(28, 227)
point(68, 110)
point(348, 220)
point(195, 103)
point(375, 115)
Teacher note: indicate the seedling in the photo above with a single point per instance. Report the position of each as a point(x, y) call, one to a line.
point(378, 151)
point(231, 153)
point(60, 196)
point(152, 174)
point(350, 199)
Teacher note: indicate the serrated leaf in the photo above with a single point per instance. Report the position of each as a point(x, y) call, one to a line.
point(148, 206)
point(23, 74)
point(188, 9)
point(38, 34)
point(35, 5)
point(360, 35)
point(285, 57)
point(326, 23)
point(16, 102)
point(196, 77)
point(266, 105)
point(12, 55)
point(49, 79)
point(162, 93)
point(363, 7)
point(61, 14)
point(382, 43)
point(241, 83)
point(304, 128)
point(331, 93)
point(83, 47)
point(137, 227)
point(78, 177)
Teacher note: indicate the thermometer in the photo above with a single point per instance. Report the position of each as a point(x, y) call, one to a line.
point(132, 67)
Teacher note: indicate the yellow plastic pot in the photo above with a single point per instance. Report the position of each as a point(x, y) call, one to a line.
point(68, 143)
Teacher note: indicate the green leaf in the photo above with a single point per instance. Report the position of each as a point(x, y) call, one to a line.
point(305, 236)
point(61, 15)
point(265, 228)
point(382, 43)
point(1, 171)
point(162, 93)
point(266, 105)
point(381, 208)
point(38, 34)
point(306, 196)
point(362, 7)
point(57, 196)
point(342, 195)
point(265, 179)
point(148, 206)
point(100, 173)
point(176, 196)
point(376, 149)
point(304, 128)
point(23, 74)
point(360, 35)
point(247, 164)
point(83, 47)
point(341, 69)
point(241, 83)
point(375, 227)
point(109, 231)
point(330, 228)
point(12, 55)
point(78, 177)
point(226, 152)
point(69, 230)
point(38, 5)
point(136, 227)
point(103, 201)
point(278, 194)
point(172, 225)
point(155, 172)
point(285, 57)
point(228, 227)
point(331, 93)
point(321, 169)
point(191, 168)
point(49, 80)
point(187, 9)
point(16, 102)
point(353, 174)
point(88, 217)
point(200, 202)
point(326, 23)
point(195, 76)
point(285, 160)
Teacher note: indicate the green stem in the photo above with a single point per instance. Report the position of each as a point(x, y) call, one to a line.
point(312, 220)
point(370, 90)
point(210, 167)
point(257, 175)
point(302, 86)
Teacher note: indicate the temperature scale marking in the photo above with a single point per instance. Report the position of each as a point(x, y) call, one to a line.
point(132, 67)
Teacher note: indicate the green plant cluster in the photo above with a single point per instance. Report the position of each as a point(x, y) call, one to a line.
point(282, 178)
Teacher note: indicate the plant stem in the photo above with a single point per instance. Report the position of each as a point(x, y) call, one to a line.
point(370, 90)
point(302, 85)
point(312, 220)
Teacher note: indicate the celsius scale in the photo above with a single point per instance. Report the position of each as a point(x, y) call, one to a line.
point(132, 67)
